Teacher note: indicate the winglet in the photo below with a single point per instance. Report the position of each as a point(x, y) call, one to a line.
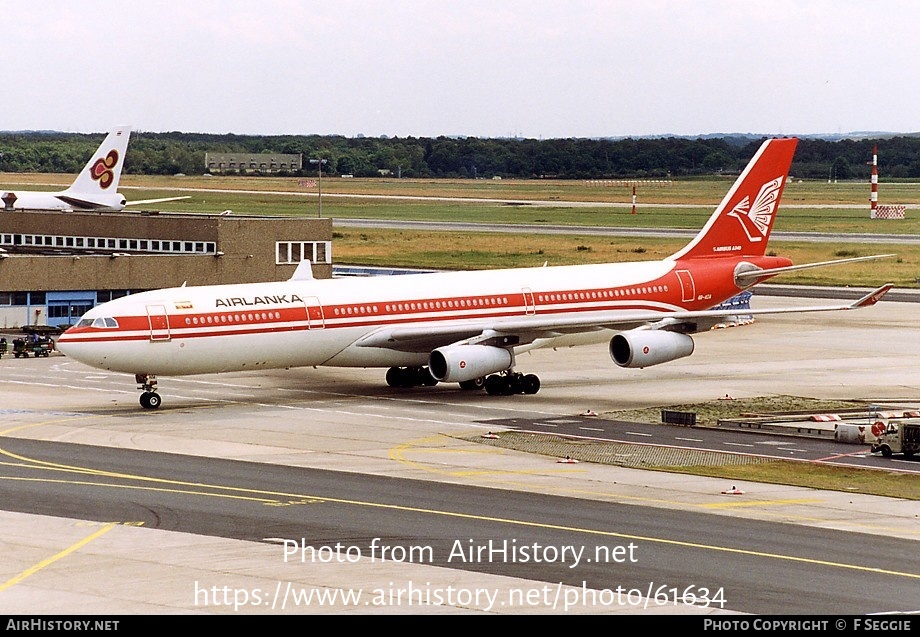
point(873, 297)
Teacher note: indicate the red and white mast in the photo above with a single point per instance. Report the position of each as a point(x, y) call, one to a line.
point(873, 198)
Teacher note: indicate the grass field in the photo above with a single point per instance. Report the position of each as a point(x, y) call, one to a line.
point(811, 475)
point(840, 208)
point(466, 251)
point(734, 467)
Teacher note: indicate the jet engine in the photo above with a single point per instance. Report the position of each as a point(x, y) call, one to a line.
point(458, 363)
point(642, 348)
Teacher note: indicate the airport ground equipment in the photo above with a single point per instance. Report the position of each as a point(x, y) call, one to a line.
point(899, 438)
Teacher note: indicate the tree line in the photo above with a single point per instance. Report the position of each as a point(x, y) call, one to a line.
point(575, 158)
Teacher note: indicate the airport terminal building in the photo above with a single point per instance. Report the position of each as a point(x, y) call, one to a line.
point(54, 266)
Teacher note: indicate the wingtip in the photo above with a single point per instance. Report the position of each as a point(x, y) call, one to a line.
point(873, 297)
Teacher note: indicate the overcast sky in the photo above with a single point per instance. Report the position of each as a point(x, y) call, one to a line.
point(529, 68)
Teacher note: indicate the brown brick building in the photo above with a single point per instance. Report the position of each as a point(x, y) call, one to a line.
point(56, 265)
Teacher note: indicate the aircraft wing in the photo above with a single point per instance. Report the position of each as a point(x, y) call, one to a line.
point(526, 329)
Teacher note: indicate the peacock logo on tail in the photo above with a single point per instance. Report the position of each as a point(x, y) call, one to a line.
point(757, 218)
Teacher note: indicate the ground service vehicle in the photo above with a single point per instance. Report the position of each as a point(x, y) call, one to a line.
point(39, 346)
point(899, 437)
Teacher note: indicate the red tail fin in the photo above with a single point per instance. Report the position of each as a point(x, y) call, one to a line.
point(741, 224)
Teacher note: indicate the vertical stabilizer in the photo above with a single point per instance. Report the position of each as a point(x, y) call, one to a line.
point(103, 170)
point(741, 224)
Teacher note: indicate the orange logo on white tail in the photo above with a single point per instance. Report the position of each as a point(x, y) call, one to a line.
point(757, 218)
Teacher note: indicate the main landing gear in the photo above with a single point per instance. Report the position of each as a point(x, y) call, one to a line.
point(410, 377)
point(505, 383)
point(150, 399)
point(508, 383)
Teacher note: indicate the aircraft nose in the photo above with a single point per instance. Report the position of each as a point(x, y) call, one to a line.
point(66, 342)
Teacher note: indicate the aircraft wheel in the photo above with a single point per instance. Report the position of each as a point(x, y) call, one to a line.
point(394, 377)
point(150, 400)
point(531, 384)
point(473, 383)
point(425, 378)
point(497, 385)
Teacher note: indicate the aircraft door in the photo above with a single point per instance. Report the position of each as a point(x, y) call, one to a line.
point(529, 306)
point(315, 318)
point(687, 287)
point(159, 323)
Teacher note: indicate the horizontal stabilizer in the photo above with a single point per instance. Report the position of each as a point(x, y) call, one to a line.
point(749, 277)
point(144, 202)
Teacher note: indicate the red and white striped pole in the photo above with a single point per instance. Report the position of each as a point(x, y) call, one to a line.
point(634, 200)
point(873, 198)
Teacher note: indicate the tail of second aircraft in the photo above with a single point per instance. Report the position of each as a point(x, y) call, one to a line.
point(741, 224)
point(101, 174)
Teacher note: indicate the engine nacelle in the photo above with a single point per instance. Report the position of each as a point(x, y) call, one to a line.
point(642, 348)
point(457, 363)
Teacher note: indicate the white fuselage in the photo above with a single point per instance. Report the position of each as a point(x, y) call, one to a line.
point(192, 330)
point(65, 200)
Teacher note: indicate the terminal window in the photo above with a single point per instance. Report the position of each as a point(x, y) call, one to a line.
point(293, 252)
point(109, 243)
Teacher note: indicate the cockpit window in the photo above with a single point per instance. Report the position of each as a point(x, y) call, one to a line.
point(98, 322)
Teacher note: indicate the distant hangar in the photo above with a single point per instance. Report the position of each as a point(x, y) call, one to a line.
point(253, 163)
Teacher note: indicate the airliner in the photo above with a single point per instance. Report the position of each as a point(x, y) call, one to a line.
point(95, 188)
point(456, 327)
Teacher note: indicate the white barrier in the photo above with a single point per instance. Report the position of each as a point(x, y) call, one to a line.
point(888, 212)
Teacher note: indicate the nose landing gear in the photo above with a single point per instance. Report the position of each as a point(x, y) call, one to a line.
point(150, 399)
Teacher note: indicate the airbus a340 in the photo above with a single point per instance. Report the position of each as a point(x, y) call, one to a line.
point(463, 327)
point(95, 188)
